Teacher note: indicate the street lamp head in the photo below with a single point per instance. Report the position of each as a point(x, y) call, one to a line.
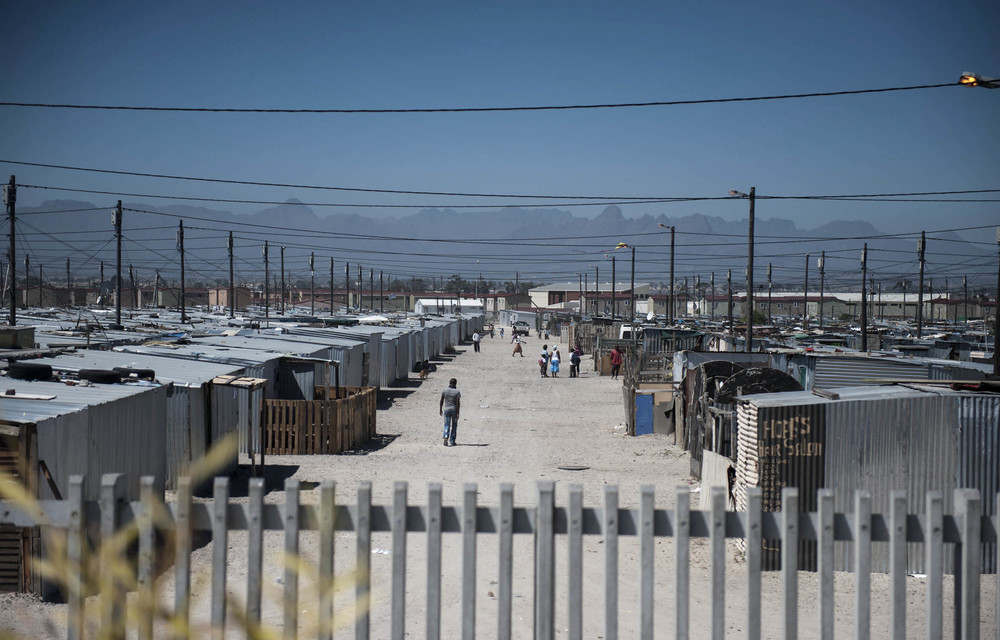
point(970, 79)
point(737, 194)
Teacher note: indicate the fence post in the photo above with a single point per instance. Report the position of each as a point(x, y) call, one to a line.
point(147, 556)
point(934, 550)
point(862, 564)
point(506, 569)
point(647, 506)
point(362, 588)
point(398, 630)
point(717, 543)
point(220, 533)
point(545, 562)
point(112, 552)
point(968, 517)
point(790, 560)
point(754, 549)
point(574, 547)
point(825, 545)
point(611, 562)
point(327, 528)
point(255, 554)
point(469, 562)
point(682, 562)
point(434, 561)
point(897, 562)
point(76, 544)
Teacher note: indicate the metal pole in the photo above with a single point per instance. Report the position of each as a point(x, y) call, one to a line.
point(117, 219)
point(381, 293)
point(100, 287)
point(131, 280)
point(312, 285)
point(822, 282)
point(40, 285)
point(331, 286)
point(614, 294)
point(920, 296)
point(729, 306)
point(282, 281)
point(597, 290)
point(864, 298)
point(713, 297)
point(631, 301)
point(69, 286)
point(371, 290)
point(805, 298)
point(361, 289)
point(749, 344)
point(232, 283)
point(180, 242)
point(769, 285)
point(347, 287)
point(673, 300)
point(267, 283)
point(965, 298)
point(10, 199)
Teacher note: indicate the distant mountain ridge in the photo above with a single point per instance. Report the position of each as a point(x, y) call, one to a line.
point(546, 241)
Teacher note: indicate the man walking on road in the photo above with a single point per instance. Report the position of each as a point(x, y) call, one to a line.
point(476, 338)
point(449, 407)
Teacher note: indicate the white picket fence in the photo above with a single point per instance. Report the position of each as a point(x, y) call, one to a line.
point(964, 532)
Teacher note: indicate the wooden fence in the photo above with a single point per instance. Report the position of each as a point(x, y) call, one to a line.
point(304, 427)
point(964, 532)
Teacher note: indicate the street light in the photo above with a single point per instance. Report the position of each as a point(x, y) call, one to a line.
point(970, 79)
point(751, 196)
point(597, 288)
point(670, 314)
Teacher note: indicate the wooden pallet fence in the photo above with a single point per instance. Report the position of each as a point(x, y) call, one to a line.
point(316, 427)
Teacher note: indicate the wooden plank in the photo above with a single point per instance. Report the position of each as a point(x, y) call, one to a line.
point(610, 562)
point(934, 549)
point(398, 630)
point(825, 548)
point(506, 568)
point(182, 559)
point(682, 552)
point(754, 550)
point(76, 543)
point(434, 561)
point(469, 561)
point(327, 527)
point(255, 554)
point(574, 547)
point(147, 557)
point(647, 504)
point(897, 563)
point(862, 564)
point(545, 562)
point(717, 544)
point(790, 561)
point(112, 590)
point(362, 587)
point(290, 597)
point(220, 543)
point(968, 513)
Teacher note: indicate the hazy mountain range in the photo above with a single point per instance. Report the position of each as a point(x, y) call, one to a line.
point(543, 245)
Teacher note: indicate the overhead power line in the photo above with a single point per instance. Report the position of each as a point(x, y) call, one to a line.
point(565, 107)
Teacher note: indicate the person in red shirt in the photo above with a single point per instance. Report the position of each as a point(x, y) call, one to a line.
point(616, 363)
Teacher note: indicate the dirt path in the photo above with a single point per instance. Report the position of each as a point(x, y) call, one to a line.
point(515, 427)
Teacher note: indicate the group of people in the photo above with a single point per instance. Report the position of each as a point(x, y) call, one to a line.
point(548, 362)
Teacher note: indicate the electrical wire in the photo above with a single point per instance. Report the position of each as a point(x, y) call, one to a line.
point(619, 105)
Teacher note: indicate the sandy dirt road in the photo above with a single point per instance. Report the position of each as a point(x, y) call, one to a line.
point(515, 427)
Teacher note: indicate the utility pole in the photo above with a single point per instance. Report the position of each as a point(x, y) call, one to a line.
point(40, 285)
point(805, 298)
point(10, 199)
point(232, 284)
point(131, 281)
point(312, 285)
point(614, 294)
point(347, 287)
point(904, 299)
point(381, 293)
point(156, 289)
point(267, 284)
point(930, 294)
point(69, 286)
point(371, 289)
point(331, 286)
point(117, 220)
point(965, 298)
point(579, 277)
point(361, 289)
point(881, 307)
point(100, 287)
point(713, 297)
point(996, 316)
point(769, 285)
point(597, 289)
point(749, 345)
point(864, 298)
point(517, 287)
point(822, 274)
point(729, 307)
point(180, 246)
point(27, 280)
point(921, 244)
point(282, 281)
point(632, 295)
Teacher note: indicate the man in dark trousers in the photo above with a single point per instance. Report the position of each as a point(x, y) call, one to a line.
point(449, 407)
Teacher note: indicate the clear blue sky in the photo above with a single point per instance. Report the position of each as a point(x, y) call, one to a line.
point(431, 54)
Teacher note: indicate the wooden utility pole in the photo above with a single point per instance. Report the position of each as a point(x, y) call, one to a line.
point(312, 285)
point(921, 244)
point(69, 286)
point(864, 298)
point(822, 274)
point(729, 306)
point(769, 285)
point(749, 344)
point(331, 286)
point(10, 199)
point(282, 281)
point(614, 294)
point(713, 297)
point(805, 298)
point(267, 288)
point(673, 299)
point(232, 283)
point(117, 220)
point(131, 281)
point(180, 247)
point(381, 292)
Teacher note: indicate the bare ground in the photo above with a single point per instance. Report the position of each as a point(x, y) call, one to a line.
point(520, 428)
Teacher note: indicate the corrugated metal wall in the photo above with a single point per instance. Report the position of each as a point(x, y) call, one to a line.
point(893, 443)
point(834, 372)
point(186, 430)
point(979, 457)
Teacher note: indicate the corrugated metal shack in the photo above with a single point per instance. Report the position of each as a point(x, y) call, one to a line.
point(915, 438)
point(828, 370)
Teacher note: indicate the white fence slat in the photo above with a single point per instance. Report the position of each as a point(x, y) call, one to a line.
point(506, 569)
point(754, 544)
point(574, 547)
point(469, 561)
point(611, 562)
point(545, 599)
point(398, 630)
point(363, 585)
point(220, 543)
point(434, 561)
point(327, 527)
point(790, 561)
point(968, 512)
point(934, 549)
point(146, 574)
point(255, 553)
point(862, 565)
point(996, 577)
point(825, 569)
point(717, 561)
point(182, 560)
point(897, 563)
point(290, 598)
point(76, 544)
point(647, 506)
point(112, 591)
point(682, 563)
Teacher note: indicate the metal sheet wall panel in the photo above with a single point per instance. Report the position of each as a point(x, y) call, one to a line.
point(62, 445)
point(979, 457)
point(851, 372)
point(884, 444)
